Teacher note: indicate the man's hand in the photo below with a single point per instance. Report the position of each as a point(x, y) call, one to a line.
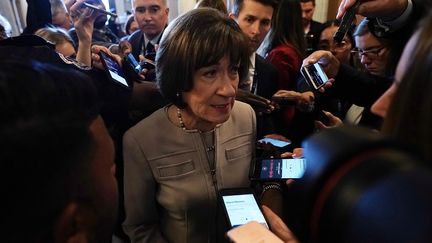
point(384, 9)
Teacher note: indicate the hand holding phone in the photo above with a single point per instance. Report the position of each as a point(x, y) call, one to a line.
point(113, 69)
point(314, 75)
point(241, 207)
point(88, 5)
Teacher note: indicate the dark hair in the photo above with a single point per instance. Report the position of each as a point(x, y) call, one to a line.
point(393, 56)
point(409, 116)
point(306, 1)
point(129, 21)
point(216, 4)
point(45, 145)
point(199, 38)
point(237, 5)
point(287, 27)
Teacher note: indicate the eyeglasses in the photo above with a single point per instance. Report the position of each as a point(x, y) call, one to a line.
point(331, 46)
point(371, 53)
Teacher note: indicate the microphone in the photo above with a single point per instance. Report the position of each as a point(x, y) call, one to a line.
point(346, 22)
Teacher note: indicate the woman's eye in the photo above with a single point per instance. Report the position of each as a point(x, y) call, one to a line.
point(210, 74)
point(234, 70)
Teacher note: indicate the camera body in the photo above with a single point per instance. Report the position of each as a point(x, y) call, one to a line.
point(356, 182)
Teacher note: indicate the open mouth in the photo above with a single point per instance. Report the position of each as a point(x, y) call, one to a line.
point(224, 106)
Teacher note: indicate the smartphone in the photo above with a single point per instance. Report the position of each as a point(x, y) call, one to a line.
point(314, 75)
point(113, 69)
point(252, 232)
point(130, 59)
point(276, 169)
point(322, 117)
point(346, 22)
point(284, 101)
point(241, 207)
point(100, 10)
point(275, 142)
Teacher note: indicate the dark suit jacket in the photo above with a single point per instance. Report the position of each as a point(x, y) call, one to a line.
point(314, 31)
point(266, 76)
point(136, 39)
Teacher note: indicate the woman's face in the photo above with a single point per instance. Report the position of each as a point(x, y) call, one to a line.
point(380, 107)
point(133, 27)
point(341, 51)
point(212, 97)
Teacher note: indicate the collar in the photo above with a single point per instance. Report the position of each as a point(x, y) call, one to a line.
point(154, 41)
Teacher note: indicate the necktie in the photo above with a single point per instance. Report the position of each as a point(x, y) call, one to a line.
point(150, 52)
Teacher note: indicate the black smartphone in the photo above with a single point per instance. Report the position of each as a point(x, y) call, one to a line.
point(100, 10)
point(346, 22)
point(322, 117)
point(275, 142)
point(314, 75)
point(113, 69)
point(276, 169)
point(241, 207)
point(284, 101)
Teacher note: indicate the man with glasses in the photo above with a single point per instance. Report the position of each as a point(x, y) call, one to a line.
point(373, 52)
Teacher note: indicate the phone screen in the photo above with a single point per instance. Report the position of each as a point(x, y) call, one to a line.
point(274, 142)
point(314, 75)
point(281, 169)
point(114, 69)
point(243, 208)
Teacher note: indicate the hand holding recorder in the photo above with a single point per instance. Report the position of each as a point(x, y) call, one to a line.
point(384, 9)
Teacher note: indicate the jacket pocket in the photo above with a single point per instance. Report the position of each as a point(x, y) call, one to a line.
point(239, 151)
point(175, 170)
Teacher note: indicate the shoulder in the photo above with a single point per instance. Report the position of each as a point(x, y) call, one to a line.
point(241, 121)
point(285, 52)
point(147, 125)
point(135, 36)
point(316, 26)
point(264, 64)
point(242, 111)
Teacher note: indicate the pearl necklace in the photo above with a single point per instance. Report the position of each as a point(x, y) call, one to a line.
point(183, 126)
point(180, 119)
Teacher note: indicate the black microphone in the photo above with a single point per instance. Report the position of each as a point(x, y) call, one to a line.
point(346, 22)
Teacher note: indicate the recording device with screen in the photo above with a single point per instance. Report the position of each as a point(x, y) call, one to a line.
point(113, 69)
point(100, 10)
point(241, 207)
point(346, 22)
point(276, 169)
point(130, 59)
point(314, 75)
